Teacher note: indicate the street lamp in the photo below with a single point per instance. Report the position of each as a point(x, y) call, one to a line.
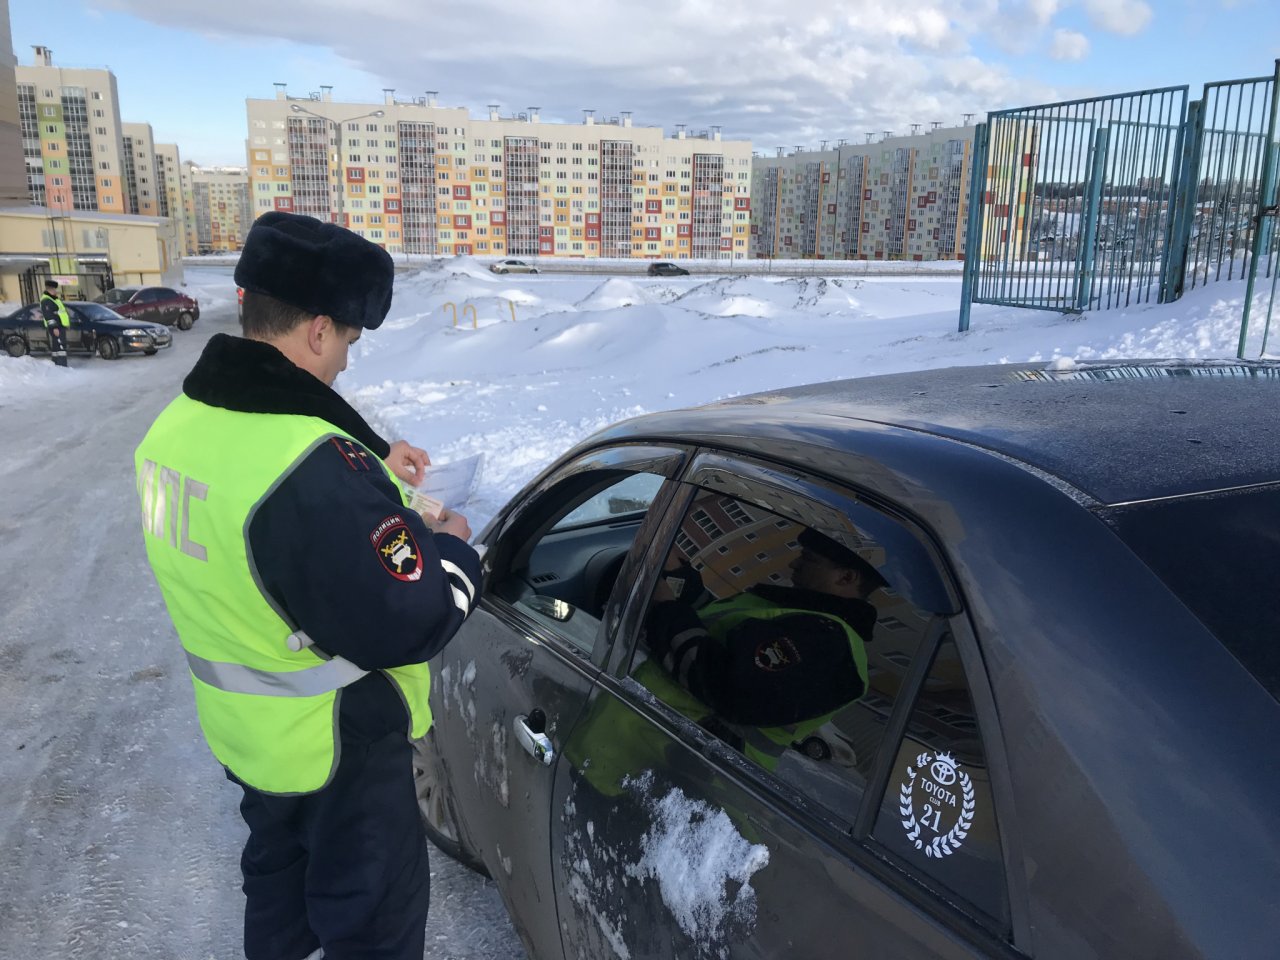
point(337, 133)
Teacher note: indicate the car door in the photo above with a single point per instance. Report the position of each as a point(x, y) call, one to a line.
point(509, 686)
point(31, 323)
point(167, 306)
point(674, 837)
point(77, 331)
point(143, 306)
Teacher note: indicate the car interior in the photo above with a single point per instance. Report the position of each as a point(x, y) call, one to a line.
point(566, 563)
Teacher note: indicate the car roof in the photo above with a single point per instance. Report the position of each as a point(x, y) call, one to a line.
point(1119, 432)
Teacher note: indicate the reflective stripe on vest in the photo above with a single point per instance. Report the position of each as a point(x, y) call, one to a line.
point(268, 705)
point(325, 677)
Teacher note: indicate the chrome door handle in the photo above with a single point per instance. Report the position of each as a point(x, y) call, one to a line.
point(536, 744)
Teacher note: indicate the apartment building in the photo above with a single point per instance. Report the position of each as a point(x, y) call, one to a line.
point(169, 187)
point(192, 242)
point(416, 177)
point(13, 178)
point(220, 200)
point(72, 136)
point(904, 198)
point(142, 184)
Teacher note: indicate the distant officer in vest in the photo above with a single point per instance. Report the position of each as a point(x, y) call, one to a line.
point(308, 598)
point(56, 321)
point(768, 666)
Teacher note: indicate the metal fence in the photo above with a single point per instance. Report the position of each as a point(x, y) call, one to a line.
point(1109, 201)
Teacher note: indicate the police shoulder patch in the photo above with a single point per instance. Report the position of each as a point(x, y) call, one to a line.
point(356, 458)
point(396, 549)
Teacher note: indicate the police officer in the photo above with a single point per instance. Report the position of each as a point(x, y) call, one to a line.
point(56, 322)
point(308, 598)
point(768, 666)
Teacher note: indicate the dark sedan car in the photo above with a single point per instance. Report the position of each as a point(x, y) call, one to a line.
point(1054, 736)
point(664, 268)
point(155, 304)
point(94, 328)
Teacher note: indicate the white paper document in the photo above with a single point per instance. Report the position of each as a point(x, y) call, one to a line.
point(447, 485)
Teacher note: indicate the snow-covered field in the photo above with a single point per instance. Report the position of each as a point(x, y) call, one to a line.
point(535, 364)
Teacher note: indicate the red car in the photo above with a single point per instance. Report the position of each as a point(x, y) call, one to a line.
point(155, 304)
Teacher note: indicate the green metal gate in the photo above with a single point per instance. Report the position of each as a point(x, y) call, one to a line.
point(1264, 233)
point(1072, 202)
point(1105, 202)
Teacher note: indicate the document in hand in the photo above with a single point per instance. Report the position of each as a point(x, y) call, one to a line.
point(447, 485)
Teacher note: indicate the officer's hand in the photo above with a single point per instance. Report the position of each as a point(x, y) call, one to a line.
point(451, 523)
point(408, 462)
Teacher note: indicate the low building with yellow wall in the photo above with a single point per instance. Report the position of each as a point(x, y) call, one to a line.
point(87, 252)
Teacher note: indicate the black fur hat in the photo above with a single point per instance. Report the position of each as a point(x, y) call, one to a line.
point(317, 266)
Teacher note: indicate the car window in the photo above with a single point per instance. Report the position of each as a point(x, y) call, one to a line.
point(627, 496)
point(937, 818)
point(558, 564)
point(96, 311)
point(164, 293)
point(788, 640)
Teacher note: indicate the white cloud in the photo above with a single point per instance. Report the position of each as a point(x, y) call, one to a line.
point(1069, 45)
point(774, 73)
point(1119, 16)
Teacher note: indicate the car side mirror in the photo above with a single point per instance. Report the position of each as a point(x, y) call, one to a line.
point(551, 607)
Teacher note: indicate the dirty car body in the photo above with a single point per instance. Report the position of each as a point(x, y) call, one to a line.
point(1071, 711)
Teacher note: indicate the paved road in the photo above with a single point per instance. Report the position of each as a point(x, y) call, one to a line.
point(120, 836)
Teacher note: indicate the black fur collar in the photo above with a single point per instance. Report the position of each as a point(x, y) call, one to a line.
point(250, 376)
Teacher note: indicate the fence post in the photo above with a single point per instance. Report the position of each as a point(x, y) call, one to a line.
point(1173, 267)
point(1267, 203)
point(1096, 173)
point(973, 221)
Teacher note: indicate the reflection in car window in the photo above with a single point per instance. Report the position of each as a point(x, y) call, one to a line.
point(635, 493)
point(564, 577)
point(786, 644)
point(937, 815)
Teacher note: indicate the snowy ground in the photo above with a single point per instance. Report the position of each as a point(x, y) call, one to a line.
point(536, 363)
point(120, 838)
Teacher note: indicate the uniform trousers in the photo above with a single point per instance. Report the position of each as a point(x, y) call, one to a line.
point(344, 868)
point(58, 344)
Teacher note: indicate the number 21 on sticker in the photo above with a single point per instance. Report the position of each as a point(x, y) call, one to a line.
point(928, 813)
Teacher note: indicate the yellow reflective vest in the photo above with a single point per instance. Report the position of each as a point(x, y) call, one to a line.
point(267, 701)
point(63, 317)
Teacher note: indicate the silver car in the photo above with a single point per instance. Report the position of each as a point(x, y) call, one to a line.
point(512, 266)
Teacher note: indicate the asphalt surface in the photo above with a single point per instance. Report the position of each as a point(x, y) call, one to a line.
point(120, 836)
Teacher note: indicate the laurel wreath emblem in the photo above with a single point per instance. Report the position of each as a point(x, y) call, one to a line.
point(947, 843)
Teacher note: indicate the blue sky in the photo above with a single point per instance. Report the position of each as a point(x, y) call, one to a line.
point(779, 74)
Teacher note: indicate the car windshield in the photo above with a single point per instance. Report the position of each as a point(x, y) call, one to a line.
point(121, 294)
point(96, 311)
point(1218, 553)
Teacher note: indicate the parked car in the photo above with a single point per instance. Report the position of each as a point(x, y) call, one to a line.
point(1066, 744)
point(664, 268)
point(512, 266)
point(156, 304)
point(94, 328)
